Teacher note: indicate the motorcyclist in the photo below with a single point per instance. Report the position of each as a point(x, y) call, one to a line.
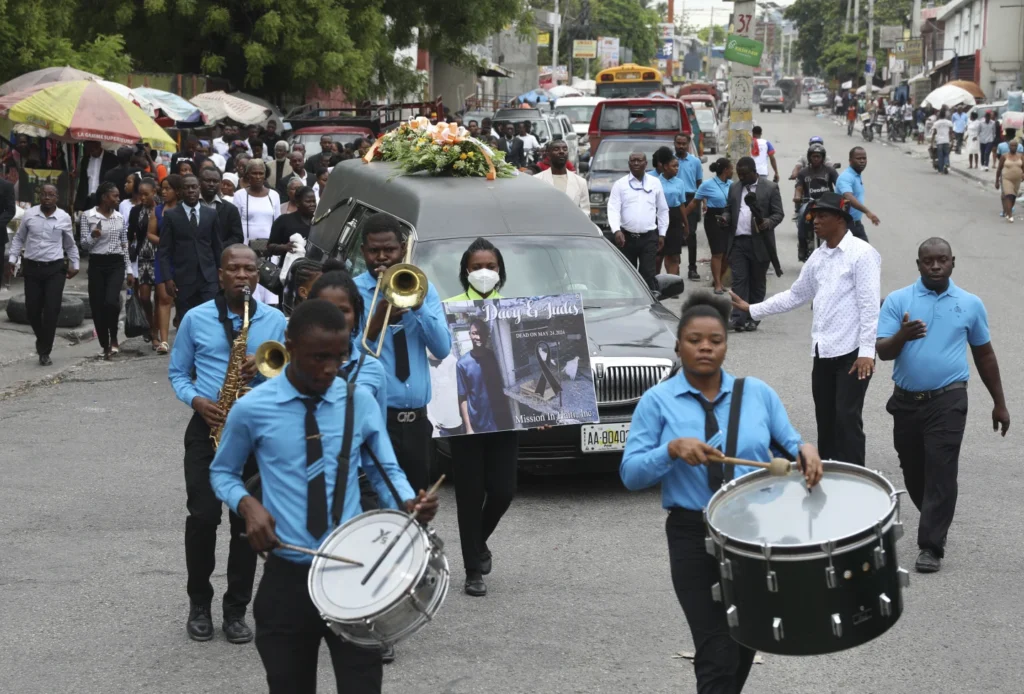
point(818, 177)
point(802, 163)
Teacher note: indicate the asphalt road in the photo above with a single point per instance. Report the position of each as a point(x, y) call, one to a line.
point(92, 510)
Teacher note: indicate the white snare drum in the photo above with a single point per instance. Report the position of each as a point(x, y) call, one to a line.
point(402, 595)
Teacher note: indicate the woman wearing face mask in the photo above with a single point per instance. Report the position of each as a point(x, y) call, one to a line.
point(484, 463)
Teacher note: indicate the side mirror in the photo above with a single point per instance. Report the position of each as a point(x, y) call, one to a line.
point(583, 167)
point(669, 286)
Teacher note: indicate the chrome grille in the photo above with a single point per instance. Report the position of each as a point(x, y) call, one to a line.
point(622, 384)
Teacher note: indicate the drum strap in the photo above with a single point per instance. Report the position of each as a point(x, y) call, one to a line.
point(734, 425)
point(341, 483)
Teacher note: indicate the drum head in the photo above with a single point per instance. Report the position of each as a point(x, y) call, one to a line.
point(336, 588)
point(778, 510)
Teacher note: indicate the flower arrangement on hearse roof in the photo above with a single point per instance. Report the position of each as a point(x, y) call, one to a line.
point(442, 149)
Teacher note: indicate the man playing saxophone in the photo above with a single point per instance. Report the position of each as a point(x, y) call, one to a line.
point(204, 362)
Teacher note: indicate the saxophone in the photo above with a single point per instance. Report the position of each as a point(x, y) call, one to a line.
point(233, 387)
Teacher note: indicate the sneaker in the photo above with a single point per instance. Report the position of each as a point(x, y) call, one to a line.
point(927, 562)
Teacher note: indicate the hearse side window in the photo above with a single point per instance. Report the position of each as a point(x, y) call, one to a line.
point(640, 118)
point(350, 248)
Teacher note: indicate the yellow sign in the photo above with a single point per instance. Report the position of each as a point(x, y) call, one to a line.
point(584, 49)
point(543, 40)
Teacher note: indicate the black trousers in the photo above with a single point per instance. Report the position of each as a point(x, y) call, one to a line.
point(749, 279)
point(289, 629)
point(720, 664)
point(838, 403)
point(106, 275)
point(857, 227)
point(641, 250)
point(693, 220)
point(413, 446)
point(201, 295)
point(486, 472)
point(927, 435)
point(44, 289)
point(204, 514)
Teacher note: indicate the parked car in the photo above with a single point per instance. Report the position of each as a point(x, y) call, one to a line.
point(579, 110)
point(551, 250)
point(342, 134)
point(715, 135)
point(818, 99)
point(641, 116)
point(773, 99)
point(544, 126)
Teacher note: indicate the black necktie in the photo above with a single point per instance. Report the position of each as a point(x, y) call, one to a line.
point(193, 220)
point(716, 471)
point(401, 356)
point(316, 492)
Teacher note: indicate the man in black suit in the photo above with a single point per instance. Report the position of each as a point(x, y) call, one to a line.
point(298, 163)
point(91, 169)
point(190, 248)
point(7, 212)
point(230, 219)
point(512, 146)
point(119, 174)
point(750, 242)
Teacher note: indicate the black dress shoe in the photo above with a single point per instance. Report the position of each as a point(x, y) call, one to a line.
point(475, 586)
point(693, 276)
point(738, 327)
point(236, 630)
point(200, 626)
point(927, 562)
point(44, 360)
point(750, 326)
point(485, 562)
point(387, 653)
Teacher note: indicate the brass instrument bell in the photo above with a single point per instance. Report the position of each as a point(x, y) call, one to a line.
point(271, 358)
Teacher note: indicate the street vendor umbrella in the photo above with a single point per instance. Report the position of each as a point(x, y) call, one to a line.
point(177, 108)
point(564, 90)
point(533, 97)
point(45, 76)
point(220, 105)
point(948, 95)
point(971, 88)
point(84, 110)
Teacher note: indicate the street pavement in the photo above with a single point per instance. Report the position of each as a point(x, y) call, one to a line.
point(92, 510)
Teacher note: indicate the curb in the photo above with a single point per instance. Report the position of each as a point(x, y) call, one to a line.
point(82, 333)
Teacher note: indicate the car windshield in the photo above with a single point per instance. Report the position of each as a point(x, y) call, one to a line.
point(312, 140)
point(577, 113)
point(613, 155)
point(543, 266)
point(705, 118)
point(640, 118)
point(538, 128)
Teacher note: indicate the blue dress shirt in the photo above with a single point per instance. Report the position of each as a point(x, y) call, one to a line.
point(691, 173)
point(202, 345)
point(425, 328)
point(850, 182)
point(675, 190)
point(670, 411)
point(270, 422)
point(371, 376)
point(953, 319)
point(715, 191)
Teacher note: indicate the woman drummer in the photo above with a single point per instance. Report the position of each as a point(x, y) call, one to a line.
point(678, 427)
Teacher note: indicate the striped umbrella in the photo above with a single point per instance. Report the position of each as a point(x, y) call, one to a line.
point(84, 110)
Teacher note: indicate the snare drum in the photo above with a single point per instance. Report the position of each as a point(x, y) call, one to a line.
point(803, 574)
point(404, 593)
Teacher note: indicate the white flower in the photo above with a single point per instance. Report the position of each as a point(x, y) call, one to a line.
point(459, 165)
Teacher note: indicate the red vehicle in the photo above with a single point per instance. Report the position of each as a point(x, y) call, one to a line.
point(694, 88)
point(699, 100)
point(642, 116)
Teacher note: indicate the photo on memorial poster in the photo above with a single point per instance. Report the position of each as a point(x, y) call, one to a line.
point(514, 364)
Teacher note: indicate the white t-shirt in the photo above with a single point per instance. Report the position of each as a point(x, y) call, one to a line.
point(942, 128)
point(530, 142)
point(761, 158)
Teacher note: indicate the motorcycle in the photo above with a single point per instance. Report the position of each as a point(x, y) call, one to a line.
point(807, 240)
point(867, 129)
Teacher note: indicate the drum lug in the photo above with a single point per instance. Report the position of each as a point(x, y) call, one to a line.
point(830, 572)
point(777, 629)
point(897, 532)
point(732, 617)
point(884, 605)
point(830, 577)
point(879, 558)
point(420, 607)
point(770, 578)
point(837, 625)
point(725, 568)
point(773, 582)
point(904, 578)
point(710, 546)
point(716, 592)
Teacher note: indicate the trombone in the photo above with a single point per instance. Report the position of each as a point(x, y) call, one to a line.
point(404, 286)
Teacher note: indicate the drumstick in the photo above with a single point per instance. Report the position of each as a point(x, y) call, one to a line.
point(778, 467)
point(391, 546)
point(312, 552)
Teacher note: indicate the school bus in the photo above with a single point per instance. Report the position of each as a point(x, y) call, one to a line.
point(629, 80)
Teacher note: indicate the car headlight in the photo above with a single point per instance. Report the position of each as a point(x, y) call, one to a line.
point(597, 198)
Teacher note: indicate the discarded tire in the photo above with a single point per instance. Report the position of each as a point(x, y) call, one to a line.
point(84, 296)
point(72, 311)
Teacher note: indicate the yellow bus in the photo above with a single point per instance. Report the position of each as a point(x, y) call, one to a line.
point(628, 80)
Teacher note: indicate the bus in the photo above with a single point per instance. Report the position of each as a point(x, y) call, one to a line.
point(629, 80)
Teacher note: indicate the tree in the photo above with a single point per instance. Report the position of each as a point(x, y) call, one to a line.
point(635, 25)
point(717, 38)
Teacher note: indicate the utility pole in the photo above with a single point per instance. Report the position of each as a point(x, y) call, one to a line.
point(856, 17)
point(915, 20)
point(849, 14)
point(554, 46)
point(741, 84)
point(871, 46)
point(671, 20)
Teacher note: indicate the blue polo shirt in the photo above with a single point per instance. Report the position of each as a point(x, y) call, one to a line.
point(953, 319)
point(691, 173)
point(715, 191)
point(671, 410)
point(850, 182)
point(675, 190)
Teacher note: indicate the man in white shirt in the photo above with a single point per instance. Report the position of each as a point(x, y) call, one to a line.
point(941, 139)
point(763, 153)
point(843, 280)
point(572, 184)
point(529, 140)
point(638, 217)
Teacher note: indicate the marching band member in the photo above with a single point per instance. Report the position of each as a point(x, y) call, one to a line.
point(294, 425)
point(668, 444)
point(203, 345)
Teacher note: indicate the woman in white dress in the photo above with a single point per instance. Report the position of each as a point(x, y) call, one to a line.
point(258, 206)
point(973, 149)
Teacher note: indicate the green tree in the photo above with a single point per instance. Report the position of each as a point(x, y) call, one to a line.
point(821, 45)
point(717, 38)
point(635, 25)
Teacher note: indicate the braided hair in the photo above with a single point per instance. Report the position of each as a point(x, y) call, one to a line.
point(343, 280)
point(299, 274)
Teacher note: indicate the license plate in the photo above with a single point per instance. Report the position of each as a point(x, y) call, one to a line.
point(630, 76)
point(603, 438)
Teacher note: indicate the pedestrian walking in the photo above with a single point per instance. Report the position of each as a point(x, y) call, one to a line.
point(45, 234)
point(638, 217)
point(210, 185)
point(676, 434)
point(763, 153)
point(942, 130)
point(986, 138)
point(199, 362)
point(143, 240)
point(190, 249)
point(8, 210)
point(713, 194)
point(973, 145)
point(755, 209)
point(559, 176)
point(850, 185)
point(842, 278)
point(691, 175)
point(1009, 173)
point(485, 457)
point(678, 231)
point(288, 225)
point(258, 207)
point(959, 120)
point(105, 235)
point(925, 329)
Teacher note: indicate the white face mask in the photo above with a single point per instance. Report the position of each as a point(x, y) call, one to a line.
point(484, 280)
